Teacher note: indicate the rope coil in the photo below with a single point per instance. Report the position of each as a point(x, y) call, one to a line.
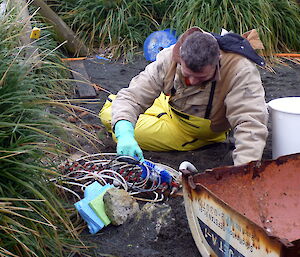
point(124, 172)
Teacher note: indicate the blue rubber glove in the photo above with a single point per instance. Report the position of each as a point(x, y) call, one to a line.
point(127, 145)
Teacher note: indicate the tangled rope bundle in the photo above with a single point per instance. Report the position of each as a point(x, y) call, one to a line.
point(143, 178)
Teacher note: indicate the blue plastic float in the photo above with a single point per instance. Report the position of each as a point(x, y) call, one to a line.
point(157, 41)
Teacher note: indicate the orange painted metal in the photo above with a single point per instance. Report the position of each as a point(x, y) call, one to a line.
point(254, 208)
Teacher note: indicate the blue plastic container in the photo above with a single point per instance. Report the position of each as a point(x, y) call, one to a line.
point(155, 172)
point(157, 41)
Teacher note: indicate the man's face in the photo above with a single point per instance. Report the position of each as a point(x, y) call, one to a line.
point(207, 73)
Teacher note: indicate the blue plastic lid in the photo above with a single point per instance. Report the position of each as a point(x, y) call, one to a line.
point(157, 41)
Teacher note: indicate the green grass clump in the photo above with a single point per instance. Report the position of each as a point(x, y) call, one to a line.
point(33, 219)
point(118, 26)
point(121, 26)
point(278, 22)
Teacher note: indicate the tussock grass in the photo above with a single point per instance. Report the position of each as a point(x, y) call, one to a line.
point(118, 26)
point(121, 26)
point(34, 220)
point(278, 22)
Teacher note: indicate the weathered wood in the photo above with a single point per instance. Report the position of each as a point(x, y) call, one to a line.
point(73, 44)
point(82, 80)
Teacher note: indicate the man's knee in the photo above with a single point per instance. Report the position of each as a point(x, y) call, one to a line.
point(105, 113)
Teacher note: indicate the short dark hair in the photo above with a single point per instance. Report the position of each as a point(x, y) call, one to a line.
point(198, 50)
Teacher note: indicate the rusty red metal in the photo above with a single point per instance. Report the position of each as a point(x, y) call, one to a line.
point(264, 197)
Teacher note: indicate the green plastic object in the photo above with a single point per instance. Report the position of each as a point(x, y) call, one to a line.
point(97, 206)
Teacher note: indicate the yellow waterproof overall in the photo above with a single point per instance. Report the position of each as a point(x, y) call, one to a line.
point(162, 128)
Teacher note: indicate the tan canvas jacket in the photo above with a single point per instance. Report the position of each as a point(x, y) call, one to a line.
point(238, 101)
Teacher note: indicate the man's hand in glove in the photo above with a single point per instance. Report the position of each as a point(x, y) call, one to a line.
point(127, 145)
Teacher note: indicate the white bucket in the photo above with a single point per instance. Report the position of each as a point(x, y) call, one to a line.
point(285, 115)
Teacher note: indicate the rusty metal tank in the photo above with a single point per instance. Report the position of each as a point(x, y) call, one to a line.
point(251, 210)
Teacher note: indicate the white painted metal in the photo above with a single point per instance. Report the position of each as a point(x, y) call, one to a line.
point(220, 231)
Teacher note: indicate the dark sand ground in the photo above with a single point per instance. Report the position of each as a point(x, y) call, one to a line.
point(140, 238)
